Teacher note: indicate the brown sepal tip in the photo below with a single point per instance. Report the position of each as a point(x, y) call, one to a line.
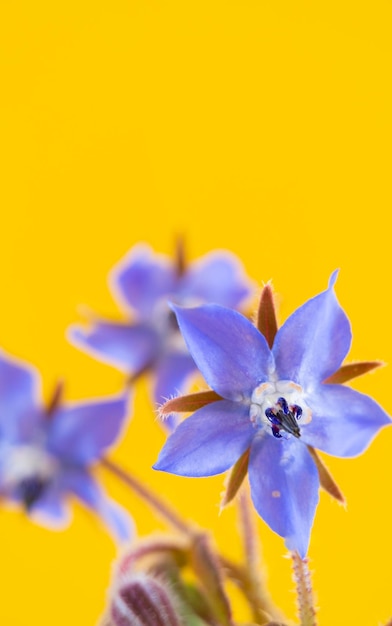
point(235, 479)
point(352, 370)
point(327, 482)
point(188, 403)
point(266, 321)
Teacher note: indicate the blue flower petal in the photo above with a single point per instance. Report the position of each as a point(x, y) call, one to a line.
point(313, 342)
point(344, 421)
point(50, 510)
point(129, 348)
point(171, 374)
point(208, 442)
point(89, 492)
point(230, 352)
point(217, 278)
point(19, 399)
point(284, 487)
point(81, 432)
point(141, 279)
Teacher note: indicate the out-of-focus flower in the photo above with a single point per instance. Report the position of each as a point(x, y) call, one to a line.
point(47, 454)
point(143, 282)
point(164, 580)
point(272, 402)
point(143, 600)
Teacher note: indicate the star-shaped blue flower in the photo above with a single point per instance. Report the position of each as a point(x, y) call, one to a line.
point(47, 454)
point(143, 282)
point(273, 402)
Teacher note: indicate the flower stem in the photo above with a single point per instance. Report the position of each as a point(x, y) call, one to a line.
point(206, 564)
point(262, 607)
point(207, 567)
point(307, 612)
point(156, 503)
point(210, 567)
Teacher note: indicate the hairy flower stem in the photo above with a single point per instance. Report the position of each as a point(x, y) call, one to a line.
point(161, 546)
point(156, 503)
point(209, 571)
point(307, 612)
point(204, 559)
point(263, 609)
point(205, 563)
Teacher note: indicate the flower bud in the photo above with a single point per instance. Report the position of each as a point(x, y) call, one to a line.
point(142, 600)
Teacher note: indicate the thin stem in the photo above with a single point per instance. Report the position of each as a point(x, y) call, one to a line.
point(262, 607)
point(172, 546)
point(156, 503)
point(207, 567)
point(307, 612)
point(248, 582)
point(248, 533)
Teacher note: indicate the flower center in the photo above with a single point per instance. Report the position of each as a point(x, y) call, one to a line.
point(30, 489)
point(28, 471)
point(279, 405)
point(164, 321)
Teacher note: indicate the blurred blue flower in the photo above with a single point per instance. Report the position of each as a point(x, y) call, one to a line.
point(273, 402)
point(47, 454)
point(143, 282)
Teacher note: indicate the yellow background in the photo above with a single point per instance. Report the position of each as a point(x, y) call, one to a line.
point(262, 127)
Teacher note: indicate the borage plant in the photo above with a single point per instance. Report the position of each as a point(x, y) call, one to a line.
point(276, 396)
point(149, 341)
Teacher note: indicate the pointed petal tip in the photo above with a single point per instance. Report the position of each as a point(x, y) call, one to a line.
point(159, 467)
point(333, 278)
point(74, 334)
point(177, 308)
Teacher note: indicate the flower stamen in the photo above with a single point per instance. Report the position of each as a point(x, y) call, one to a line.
point(31, 489)
point(279, 405)
point(285, 418)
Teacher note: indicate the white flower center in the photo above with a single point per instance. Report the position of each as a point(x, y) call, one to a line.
point(164, 321)
point(23, 462)
point(279, 405)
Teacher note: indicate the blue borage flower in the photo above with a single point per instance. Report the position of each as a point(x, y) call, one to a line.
point(272, 401)
point(143, 282)
point(47, 454)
